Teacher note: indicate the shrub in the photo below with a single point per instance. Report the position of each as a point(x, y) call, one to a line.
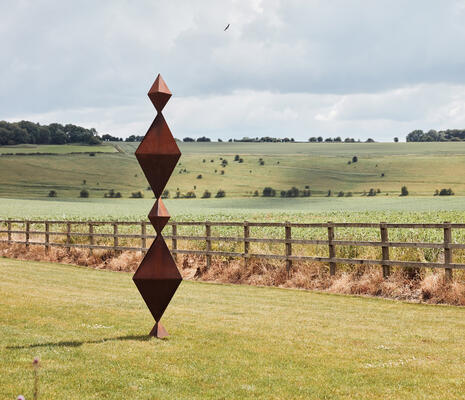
point(206, 195)
point(222, 172)
point(220, 193)
point(283, 193)
point(137, 195)
point(268, 192)
point(165, 194)
point(404, 191)
point(190, 195)
point(236, 157)
point(241, 160)
point(349, 194)
point(178, 194)
point(292, 192)
point(199, 176)
point(255, 194)
point(340, 194)
point(261, 161)
point(354, 159)
point(306, 193)
point(372, 192)
point(118, 195)
point(446, 192)
point(224, 163)
point(396, 139)
point(84, 193)
point(329, 193)
point(91, 154)
point(382, 175)
point(52, 193)
point(203, 160)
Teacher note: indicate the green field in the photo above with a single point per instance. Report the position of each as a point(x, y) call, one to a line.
point(409, 209)
point(56, 148)
point(89, 330)
point(422, 167)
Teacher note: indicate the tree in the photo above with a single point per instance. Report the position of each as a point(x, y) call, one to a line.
point(188, 139)
point(52, 193)
point(320, 139)
point(396, 140)
point(84, 193)
point(312, 139)
point(404, 191)
point(203, 139)
point(236, 157)
point(220, 194)
point(165, 194)
point(268, 192)
point(206, 195)
point(354, 159)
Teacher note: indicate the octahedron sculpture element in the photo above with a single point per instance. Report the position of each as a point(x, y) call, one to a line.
point(157, 277)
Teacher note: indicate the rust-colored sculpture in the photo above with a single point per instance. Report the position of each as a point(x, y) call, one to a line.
point(157, 277)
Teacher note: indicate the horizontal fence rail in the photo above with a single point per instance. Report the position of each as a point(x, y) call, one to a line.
point(86, 235)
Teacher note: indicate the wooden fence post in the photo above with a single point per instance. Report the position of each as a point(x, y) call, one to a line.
point(143, 232)
point(28, 228)
point(447, 251)
point(68, 235)
point(9, 233)
point(174, 240)
point(246, 242)
point(47, 237)
point(287, 228)
point(91, 237)
point(115, 237)
point(332, 248)
point(385, 249)
point(209, 243)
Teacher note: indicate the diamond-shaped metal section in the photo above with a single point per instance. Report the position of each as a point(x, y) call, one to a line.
point(157, 278)
point(159, 216)
point(159, 93)
point(158, 155)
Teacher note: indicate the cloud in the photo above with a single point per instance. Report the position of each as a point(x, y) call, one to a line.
point(284, 68)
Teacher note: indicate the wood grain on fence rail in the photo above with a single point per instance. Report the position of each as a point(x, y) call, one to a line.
point(70, 239)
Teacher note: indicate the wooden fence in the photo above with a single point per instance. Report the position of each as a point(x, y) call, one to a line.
point(87, 233)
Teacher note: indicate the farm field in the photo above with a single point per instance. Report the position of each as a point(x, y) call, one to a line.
point(422, 167)
point(57, 149)
point(89, 329)
point(363, 209)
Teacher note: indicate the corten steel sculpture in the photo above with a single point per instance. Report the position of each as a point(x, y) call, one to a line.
point(157, 277)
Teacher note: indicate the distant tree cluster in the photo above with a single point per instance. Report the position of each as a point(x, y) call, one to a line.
point(267, 139)
point(109, 138)
point(134, 138)
point(444, 192)
point(449, 135)
point(337, 139)
point(26, 132)
point(200, 139)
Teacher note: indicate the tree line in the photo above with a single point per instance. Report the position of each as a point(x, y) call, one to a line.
point(449, 135)
point(26, 132)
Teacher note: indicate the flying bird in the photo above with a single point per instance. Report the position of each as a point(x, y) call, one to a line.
point(227, 27)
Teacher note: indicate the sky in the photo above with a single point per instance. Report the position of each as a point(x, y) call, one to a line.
point(284, 68)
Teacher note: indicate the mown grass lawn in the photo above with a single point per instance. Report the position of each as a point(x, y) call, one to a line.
point(89, 329)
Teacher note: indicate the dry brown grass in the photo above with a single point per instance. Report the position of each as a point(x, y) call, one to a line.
point(425, 286)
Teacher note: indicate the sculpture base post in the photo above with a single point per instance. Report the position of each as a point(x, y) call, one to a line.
point(158, 331)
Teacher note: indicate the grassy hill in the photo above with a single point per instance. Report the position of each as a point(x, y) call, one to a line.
point(89, 329)
point(422, 167)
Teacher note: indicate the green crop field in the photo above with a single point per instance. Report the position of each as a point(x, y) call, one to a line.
point(56, 148)
point(89, 327)
point(422, 167)
point(409, 209)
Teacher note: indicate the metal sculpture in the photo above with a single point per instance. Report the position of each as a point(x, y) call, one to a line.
point(157, 277)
